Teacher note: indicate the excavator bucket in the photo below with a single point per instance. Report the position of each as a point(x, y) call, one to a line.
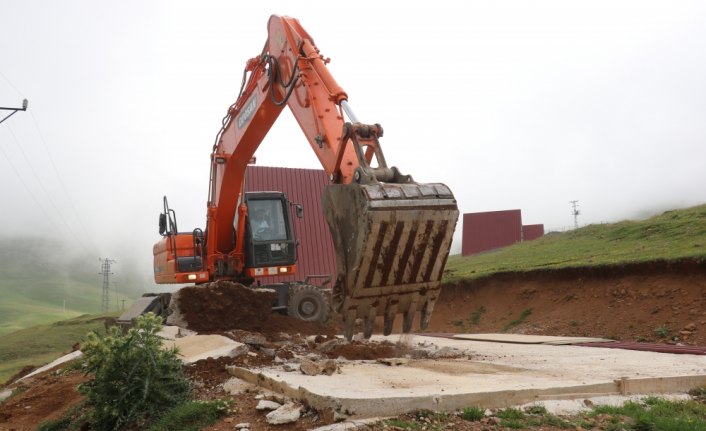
point(392, 241)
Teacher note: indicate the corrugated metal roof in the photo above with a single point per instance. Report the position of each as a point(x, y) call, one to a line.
point(315, 254)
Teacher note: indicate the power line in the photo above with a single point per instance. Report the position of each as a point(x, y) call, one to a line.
point(12, 85)
point(48, 195)
point(56, 171)
point(29, 191)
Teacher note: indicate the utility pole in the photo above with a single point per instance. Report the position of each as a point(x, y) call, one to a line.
point(575, 212)
point(25, 103)
point(105, 271)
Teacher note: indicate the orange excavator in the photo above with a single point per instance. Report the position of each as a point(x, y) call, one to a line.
point(391, 235)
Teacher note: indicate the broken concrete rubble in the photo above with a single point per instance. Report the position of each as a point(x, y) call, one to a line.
point(267, 405)
point(313, 367)
point(290, 412)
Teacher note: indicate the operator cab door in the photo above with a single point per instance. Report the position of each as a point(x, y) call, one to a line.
point(269, 238)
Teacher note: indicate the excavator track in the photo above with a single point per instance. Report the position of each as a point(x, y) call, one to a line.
point(392, 242)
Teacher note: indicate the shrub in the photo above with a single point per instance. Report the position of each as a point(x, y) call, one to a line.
point(134, 378)
point(473, 414)
point(190, 416)
point(662, 331)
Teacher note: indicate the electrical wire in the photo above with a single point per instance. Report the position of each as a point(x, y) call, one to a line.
point(29, 191)
point(61, 181)
point(48, 195)
point(12, 85)
point(56, 171)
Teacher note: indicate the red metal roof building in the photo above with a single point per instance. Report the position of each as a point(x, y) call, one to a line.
point(315, 254)
point(485, 231)
point(532, 231)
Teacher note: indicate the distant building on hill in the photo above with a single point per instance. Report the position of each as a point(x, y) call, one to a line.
point(484, 231)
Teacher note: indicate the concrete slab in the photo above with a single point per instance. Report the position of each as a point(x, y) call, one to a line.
point(496, 375)
point(66, 358)
point(529, 339)
point(196, 347)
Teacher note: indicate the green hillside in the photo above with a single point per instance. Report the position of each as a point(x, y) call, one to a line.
point(672, 235)
point(42, 344)
point(41, 283)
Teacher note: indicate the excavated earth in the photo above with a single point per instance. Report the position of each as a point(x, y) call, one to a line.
point(662, 302)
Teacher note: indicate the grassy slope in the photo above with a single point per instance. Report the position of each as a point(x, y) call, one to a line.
point(41, 344)
point(35, 288)
point(671, 235)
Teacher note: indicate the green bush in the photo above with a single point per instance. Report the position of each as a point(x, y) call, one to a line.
point(134, 378)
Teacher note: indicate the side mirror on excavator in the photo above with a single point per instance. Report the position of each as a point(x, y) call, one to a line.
point(163, 224)
point(299, 210)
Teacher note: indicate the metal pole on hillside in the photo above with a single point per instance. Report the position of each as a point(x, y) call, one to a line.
point(105, 271)
point(575, 212)
point(25, 103)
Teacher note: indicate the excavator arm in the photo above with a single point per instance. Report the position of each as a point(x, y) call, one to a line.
point(391, 235)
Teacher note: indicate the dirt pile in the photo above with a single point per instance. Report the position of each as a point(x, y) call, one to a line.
point(224, 306)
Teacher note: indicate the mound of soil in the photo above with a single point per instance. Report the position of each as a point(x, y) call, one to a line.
point(223, 306)
point(655, 302)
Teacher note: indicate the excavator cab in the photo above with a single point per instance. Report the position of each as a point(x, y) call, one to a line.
point(269, 238)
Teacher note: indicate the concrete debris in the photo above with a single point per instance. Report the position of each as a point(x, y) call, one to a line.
point(5, 394)
point(236, 386)
point(242, 426)
point(175, 317)
point(288, 413)
point(445, 352)
point(328, 415)
point(196, 347)
point(329, 345)
point(255, 340)
point(314, 368)
point(271, 353)
point(66, 358)
point(267, 405)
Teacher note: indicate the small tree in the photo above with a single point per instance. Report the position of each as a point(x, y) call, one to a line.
point(134, 378)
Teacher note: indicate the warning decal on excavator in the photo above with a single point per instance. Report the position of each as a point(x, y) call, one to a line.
point(248, 111)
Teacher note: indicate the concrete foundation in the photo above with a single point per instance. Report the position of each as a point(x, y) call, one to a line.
point(492, 375)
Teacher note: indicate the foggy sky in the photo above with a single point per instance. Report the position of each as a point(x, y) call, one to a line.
point(512, 104)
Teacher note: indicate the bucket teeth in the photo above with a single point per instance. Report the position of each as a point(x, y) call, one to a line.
point(408, 320)
point(426, 313)
point(348, 324)
point(391, 241)
point(390, 313)
point(369, 322)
